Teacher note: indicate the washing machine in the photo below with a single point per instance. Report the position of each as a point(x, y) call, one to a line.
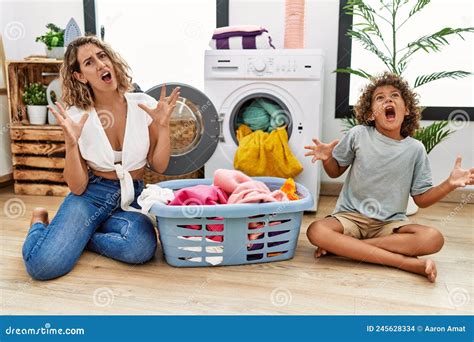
point(291, 79)
point(203, 125)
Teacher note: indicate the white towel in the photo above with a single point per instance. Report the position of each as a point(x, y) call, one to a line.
point(154, 194)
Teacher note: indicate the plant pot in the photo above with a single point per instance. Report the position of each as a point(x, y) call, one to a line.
point(51, 118)
point(412, 208)
point(56, 52)
point(37, 114)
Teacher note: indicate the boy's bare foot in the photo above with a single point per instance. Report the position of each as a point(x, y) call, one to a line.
point(39, 215)
point(428, 269)
point(319, 252)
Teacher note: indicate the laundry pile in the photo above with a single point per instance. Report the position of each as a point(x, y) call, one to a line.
point(265, 154)
point(229, 187)
point(241, 37)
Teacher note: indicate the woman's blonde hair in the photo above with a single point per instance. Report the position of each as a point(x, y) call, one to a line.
point(75, 93)
point(363, 108)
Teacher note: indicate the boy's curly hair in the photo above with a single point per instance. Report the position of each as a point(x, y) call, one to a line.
point(75, 93)
point(363, 108)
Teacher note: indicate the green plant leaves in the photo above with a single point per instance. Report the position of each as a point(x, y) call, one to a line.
point(435, 41)
point(456, 74)
point(35, 95)
point(418, 7)
point(433, 134)
point(369, 45)
point(53, 38)
point(358, 72)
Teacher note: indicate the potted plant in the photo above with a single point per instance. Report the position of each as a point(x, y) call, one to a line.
point(34, 97)
point(54, 41)
point(396, 59)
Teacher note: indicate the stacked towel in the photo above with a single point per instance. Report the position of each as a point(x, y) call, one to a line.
point(241, 37)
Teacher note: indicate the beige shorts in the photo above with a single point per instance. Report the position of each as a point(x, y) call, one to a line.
point(362, 227)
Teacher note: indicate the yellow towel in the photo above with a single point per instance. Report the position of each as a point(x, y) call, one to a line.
point(265, 154)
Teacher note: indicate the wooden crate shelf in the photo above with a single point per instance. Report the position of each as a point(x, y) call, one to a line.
point(37, 150)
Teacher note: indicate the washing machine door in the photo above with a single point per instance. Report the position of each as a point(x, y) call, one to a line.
point(194, 129)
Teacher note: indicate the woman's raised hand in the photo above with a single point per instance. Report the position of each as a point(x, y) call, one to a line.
point(72, 130)
point(162, 113)
point(321, 151)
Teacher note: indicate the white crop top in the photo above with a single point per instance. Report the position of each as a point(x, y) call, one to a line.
point(96, 150)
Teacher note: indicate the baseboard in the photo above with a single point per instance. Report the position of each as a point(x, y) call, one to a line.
point(457, 196)
point(6, 180)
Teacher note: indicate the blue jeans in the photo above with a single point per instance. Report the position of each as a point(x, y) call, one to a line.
point(93, 221)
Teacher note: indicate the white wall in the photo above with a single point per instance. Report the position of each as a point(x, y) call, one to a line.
point(24, 20)
point(321, 32)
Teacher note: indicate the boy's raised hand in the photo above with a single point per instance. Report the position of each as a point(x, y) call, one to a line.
point(460, 177)
point(321, 151)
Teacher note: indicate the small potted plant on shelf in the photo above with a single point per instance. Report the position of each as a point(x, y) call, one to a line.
point(54, 41)
point(34, 97)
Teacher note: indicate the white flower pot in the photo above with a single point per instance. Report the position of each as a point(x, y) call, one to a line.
point(37, 114)
point(412, 208)
point(56, 52)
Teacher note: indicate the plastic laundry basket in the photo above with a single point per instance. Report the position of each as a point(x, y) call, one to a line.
point(248, 233)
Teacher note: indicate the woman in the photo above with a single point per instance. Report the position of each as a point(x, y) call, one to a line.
point(110, 135)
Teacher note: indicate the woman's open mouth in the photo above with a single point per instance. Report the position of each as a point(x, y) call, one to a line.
point(390, 113)
point(107, 77)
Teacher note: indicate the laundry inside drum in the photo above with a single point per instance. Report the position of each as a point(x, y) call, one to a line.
point(262, 113)
point(186, 127)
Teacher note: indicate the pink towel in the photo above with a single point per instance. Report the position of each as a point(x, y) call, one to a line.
point(228, 180)
point(243, 189)
point(199, 195)
point(202, 195)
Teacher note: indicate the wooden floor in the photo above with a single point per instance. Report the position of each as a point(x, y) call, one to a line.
point(303, 285)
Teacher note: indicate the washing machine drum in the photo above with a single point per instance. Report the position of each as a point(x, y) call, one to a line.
point(194, 129)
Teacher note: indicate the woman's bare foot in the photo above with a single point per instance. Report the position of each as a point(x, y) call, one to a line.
point(319, 252)
point(428, 269)
point(39, 215)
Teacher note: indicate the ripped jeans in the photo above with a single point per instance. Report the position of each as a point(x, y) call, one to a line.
point(93, 221)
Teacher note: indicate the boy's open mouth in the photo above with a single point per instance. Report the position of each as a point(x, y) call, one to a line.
point(106, 77)
point(390, 113)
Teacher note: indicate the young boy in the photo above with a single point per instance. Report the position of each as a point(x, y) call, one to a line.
point(369, 222)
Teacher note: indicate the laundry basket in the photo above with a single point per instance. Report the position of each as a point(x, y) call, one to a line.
point(245, 234)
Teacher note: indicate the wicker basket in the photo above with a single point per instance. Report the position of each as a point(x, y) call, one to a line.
point(152, 177)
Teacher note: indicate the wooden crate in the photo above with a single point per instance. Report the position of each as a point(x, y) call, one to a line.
point(38, 160)
point(20, 74)
point(37, 151)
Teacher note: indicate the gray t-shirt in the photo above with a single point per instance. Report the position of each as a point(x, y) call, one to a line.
point(383, 174)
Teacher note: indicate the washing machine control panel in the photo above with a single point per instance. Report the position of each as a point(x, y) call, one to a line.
point(278, 66)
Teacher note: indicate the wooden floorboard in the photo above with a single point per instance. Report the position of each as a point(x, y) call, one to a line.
point(303, 285)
